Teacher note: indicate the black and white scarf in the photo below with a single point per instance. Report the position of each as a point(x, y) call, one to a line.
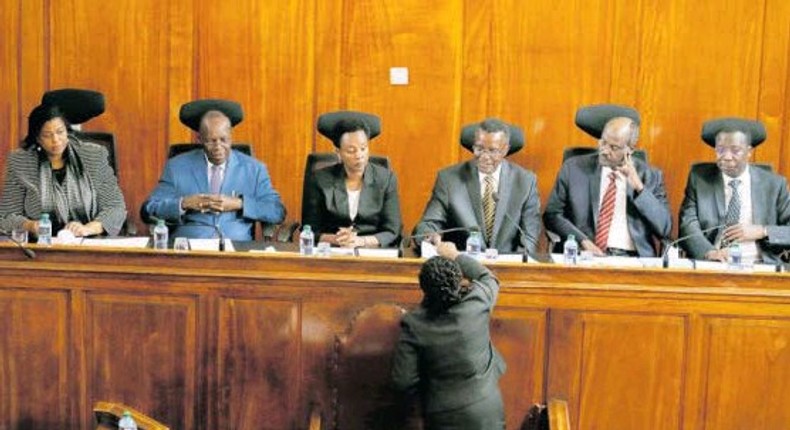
point(72, 200)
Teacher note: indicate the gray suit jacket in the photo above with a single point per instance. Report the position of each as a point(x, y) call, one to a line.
point(456, 202)
point(325, 208)
point(22, 191)
point(449, 359)
point(573, 204)
point(703, 208)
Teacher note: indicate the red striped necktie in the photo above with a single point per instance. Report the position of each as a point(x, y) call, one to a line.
point(606, 213)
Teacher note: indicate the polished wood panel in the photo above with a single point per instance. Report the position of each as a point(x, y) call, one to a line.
point(615, 347)
point(203, 340)
point(143, 351)
point(260, 53)
point(520, 335)
point(258, 363)
point(126, 55)
point(763, 347)
point(360, 42)
point(34, 367)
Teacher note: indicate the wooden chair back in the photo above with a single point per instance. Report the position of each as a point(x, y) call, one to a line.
point(109, 413)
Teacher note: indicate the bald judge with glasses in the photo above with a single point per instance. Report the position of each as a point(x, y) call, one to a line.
point(613, 204)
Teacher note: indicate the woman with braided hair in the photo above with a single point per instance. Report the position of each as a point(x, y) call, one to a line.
point(445, 352)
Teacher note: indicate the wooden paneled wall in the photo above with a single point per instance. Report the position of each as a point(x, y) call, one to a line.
point(531, 63)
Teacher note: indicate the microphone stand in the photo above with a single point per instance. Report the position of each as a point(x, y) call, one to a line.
point(219, 232)
point(29, 253)
point(665, 256)
point(525, 255)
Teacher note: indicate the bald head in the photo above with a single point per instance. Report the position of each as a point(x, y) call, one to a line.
point(622, 128)
point(619, 138)
point(215, 135)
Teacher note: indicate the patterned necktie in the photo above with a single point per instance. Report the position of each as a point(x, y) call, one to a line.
point(606, 213)
point(733, 216)
point(489, 208)
point(215, 181)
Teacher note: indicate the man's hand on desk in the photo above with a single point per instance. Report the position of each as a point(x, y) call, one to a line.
point(721, 255)
point(588, 245)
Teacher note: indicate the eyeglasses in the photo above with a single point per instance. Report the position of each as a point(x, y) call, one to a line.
point(735, 151)
point(610, 146)
point(491, 152)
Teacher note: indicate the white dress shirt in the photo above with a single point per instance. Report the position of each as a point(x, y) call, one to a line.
point(749, 250)
point(353, 203)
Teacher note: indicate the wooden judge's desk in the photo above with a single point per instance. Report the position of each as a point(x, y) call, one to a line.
point(247, 341)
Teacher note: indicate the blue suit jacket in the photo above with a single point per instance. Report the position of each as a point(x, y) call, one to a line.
point(573, 204)
point(245, 177)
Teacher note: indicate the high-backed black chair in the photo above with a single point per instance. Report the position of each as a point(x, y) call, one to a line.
point(79, 106)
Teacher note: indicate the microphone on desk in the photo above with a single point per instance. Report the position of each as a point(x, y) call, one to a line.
point(219, 232)
point(526, 255)
point(29, 253)
point(665, 255)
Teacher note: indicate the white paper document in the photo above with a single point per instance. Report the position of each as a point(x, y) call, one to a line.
point(117, 242)
point(378, 252)
point(209, 245)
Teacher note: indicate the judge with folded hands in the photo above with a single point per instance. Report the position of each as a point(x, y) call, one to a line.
point(215, 189)
point(352, 203)
point(751, 203)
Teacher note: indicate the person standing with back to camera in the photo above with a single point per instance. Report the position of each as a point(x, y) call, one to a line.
point(445, 353)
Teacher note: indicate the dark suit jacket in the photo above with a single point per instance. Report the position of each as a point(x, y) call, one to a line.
point(573, 204)
point(325, 208)
point(456, 202)
point(703, 207)
point(450, 359)
point(22, 191)
point(186, 174)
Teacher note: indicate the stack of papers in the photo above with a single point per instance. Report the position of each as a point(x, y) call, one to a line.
point(117, 242)
point(209, 245)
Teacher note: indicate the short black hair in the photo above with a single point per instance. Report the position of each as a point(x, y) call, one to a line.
point(39, 116)
point(733, 129)
point(349, 125)
point(494, 125)
point(440, 281)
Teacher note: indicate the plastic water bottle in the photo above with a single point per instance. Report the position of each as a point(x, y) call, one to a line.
point(127, 422)
point(735, 256)
point(44, 230)
point(306, 241)
point(571, 250)
point(474, 244)
point(160, 235)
